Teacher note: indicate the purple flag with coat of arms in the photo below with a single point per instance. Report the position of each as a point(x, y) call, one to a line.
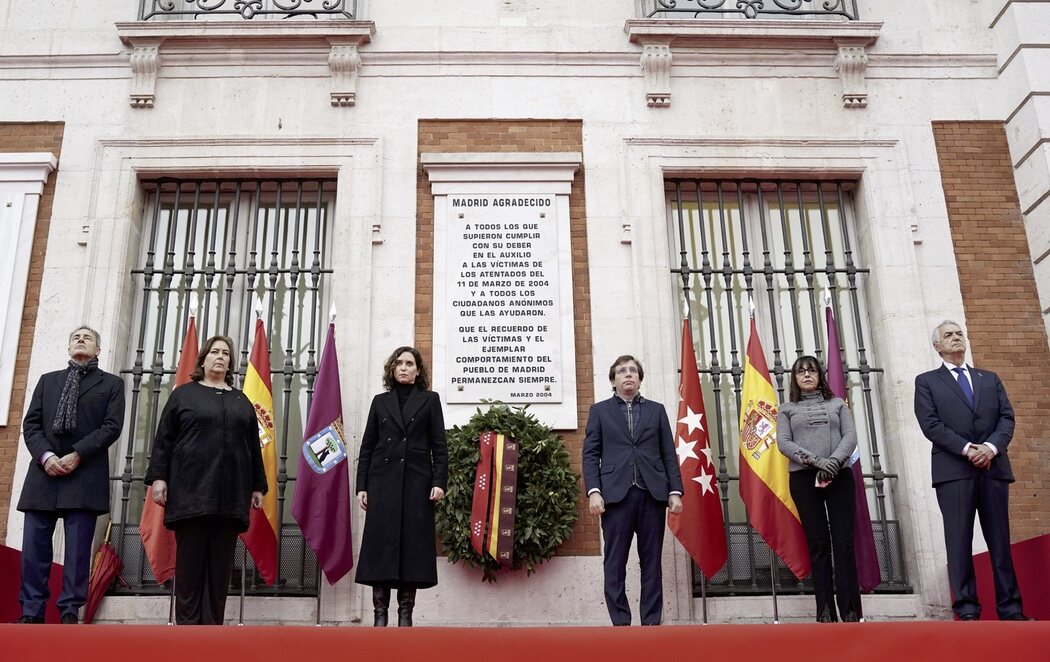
point(321, 503)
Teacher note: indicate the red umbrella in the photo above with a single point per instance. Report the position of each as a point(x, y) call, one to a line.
point(105, 568)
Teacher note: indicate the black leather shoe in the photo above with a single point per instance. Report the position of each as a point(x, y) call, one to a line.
point(969, 617)
point(25, 620)
point(1018, 617)
point(69, 619)
point(826, 616)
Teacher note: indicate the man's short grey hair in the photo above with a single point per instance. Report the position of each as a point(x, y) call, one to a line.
point(935, 336)
point(98, 337)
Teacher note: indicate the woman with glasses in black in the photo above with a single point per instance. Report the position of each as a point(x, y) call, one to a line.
point(815, 431)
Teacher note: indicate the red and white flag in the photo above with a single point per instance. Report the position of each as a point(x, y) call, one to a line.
point(159, 542)
point(700, 527)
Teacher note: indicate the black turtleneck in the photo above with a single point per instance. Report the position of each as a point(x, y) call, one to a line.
point(403, 391)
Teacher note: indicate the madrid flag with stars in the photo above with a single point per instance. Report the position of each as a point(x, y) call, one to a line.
point(699, 527)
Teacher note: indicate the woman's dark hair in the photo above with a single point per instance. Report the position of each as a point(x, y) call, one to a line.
point(794, 394)
point(198, 368)
point(422, 376)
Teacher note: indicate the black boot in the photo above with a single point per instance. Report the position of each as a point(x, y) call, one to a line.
point(381, 603)
point(406, 600)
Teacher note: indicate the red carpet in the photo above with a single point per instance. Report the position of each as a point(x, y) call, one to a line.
point(1032, 565)
point(10, 577)
point(1017, 642)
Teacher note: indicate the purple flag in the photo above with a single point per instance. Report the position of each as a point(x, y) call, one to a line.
point(868, 574)
point(321, 503)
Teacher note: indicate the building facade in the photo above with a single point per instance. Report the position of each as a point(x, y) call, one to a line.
point(227, 159)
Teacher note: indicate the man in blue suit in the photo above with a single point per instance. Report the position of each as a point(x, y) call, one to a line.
point(630, 470)
point(74, 417)
point(966, 414)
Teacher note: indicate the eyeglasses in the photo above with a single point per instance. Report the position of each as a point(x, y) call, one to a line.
point(627, 370)
point(807, 371)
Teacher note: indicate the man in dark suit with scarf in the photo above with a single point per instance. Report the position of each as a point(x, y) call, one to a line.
point(75, 416)
point(965, 413)
point(630, 469)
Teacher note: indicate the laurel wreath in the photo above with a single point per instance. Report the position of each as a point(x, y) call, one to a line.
point(547, 492)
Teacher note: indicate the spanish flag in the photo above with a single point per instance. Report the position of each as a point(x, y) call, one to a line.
point(261, 537)
point(763, 468)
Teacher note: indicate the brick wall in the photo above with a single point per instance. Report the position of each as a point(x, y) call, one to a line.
point(33, 137)
point(516, 136)
point(999, 295)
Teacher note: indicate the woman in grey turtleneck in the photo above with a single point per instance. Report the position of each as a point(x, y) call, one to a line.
point(816, 432)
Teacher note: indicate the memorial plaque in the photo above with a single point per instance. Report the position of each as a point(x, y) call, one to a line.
point(503, 291)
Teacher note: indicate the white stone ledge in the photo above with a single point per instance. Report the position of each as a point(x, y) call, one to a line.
point(659, 38)
point(750, 34)
point(149, 41)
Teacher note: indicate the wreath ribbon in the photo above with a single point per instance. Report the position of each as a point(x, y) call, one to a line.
point(492, 513)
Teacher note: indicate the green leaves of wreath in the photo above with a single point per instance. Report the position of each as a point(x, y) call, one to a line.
point(547, 490)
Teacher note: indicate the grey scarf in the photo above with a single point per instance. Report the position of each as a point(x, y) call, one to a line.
point(66, 416)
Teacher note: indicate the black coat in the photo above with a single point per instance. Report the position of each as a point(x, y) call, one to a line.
point(402, 457)
point(100, 418)
point(207, 449)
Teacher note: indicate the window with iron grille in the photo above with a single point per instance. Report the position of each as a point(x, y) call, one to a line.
point(225, 251)
point(783, 245)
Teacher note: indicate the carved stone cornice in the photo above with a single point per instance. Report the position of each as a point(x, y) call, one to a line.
point(149, 41)
point(145, 63)
point(660, 38)
point(851, 63)
point(656, 64)
point(344, 61)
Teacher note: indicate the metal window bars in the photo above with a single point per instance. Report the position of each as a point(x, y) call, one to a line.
point(218, 249)
point(247, 9)
point(782, 244)
point(833, 9)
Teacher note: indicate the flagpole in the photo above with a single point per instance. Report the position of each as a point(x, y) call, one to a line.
point(773, 581)
point(244, 550)
point(171, 603)
point(703, 596)
point(244, 575)
point(331, 320)
point(772, 557)
point(318, 573)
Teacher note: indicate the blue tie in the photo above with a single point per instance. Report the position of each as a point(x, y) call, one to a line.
point(964, 384)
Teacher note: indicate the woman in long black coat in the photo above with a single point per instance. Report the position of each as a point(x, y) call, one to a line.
point(206, 468)
point(401, 471)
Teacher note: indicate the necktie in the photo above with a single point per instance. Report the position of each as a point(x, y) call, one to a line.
point(964, 384)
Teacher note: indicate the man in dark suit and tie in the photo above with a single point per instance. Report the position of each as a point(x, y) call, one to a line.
point(630, 470)
point(966, 414)
point(75, 416)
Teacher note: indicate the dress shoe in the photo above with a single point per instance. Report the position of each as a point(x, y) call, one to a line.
point(851, 617)
point(969, 617)
point(1018, 616)
point(24, 620)
point(69, 619)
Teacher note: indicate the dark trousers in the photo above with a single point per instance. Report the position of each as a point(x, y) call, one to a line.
point(639, 514)
point(990, 500)
point(37, 552)
point(828, 516)
point(203, 565)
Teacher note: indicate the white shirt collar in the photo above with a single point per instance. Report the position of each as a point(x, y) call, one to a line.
point(952, 367)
